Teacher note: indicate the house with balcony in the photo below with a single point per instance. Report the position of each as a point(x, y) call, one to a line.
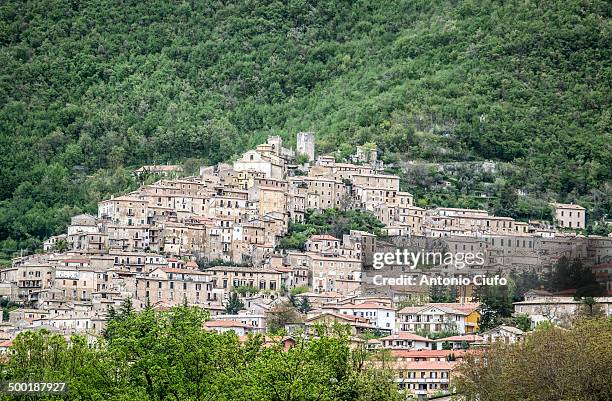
point(423, 379)
point(505, 334)
point(406, 340)
point(380, 315)
point(432, 318)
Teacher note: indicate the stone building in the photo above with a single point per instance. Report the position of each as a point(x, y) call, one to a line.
point(306, 144)
point(569, 215)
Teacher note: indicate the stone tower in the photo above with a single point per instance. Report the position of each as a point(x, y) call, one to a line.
point(306, 144)
point(277, 142)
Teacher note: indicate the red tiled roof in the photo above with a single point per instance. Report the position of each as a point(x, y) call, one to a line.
point(404, 335)
point(602, 266)
point(351, 318)
point(426, 353)
point(181, 271)
point(369, 305)
point(469, 338)
point(411, 309)
point(226, 323)
point(465, 307)
point(427, 365)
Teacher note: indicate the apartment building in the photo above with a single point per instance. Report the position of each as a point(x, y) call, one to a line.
point(256, 321)
point(357, 325)
point(405, 340)
point(423, 379)
point(323, 244)
point(174, 286)
point(505, 334)
point(384, 181)
point(380, 315)
point(334, 273)
point(125, 210)
point(557, 309)
point(569, 215)
point(432, 318)
point(320, 192)
point(228, 277)
point(75, 283)
point(225, 325)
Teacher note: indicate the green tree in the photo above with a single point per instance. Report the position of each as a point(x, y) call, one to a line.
point(153, 355)
point(281, 315)
point(523, 322)
point(496, 304)
point(522, 371)
point(300, 289)
point(575, 275)
point(304, 305)
point(234, 304)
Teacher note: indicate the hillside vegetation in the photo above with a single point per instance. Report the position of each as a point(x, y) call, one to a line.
point(153, 355)
point(89, 89)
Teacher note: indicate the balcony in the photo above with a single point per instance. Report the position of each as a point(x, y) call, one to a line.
point(428, 380)
point(30, 284)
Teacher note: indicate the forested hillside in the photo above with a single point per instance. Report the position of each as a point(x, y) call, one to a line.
point(90, 87)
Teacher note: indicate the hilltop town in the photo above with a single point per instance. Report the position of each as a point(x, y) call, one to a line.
point(219, 241)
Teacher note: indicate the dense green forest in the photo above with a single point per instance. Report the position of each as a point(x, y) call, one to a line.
point(90, 89)
point(168, 356)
